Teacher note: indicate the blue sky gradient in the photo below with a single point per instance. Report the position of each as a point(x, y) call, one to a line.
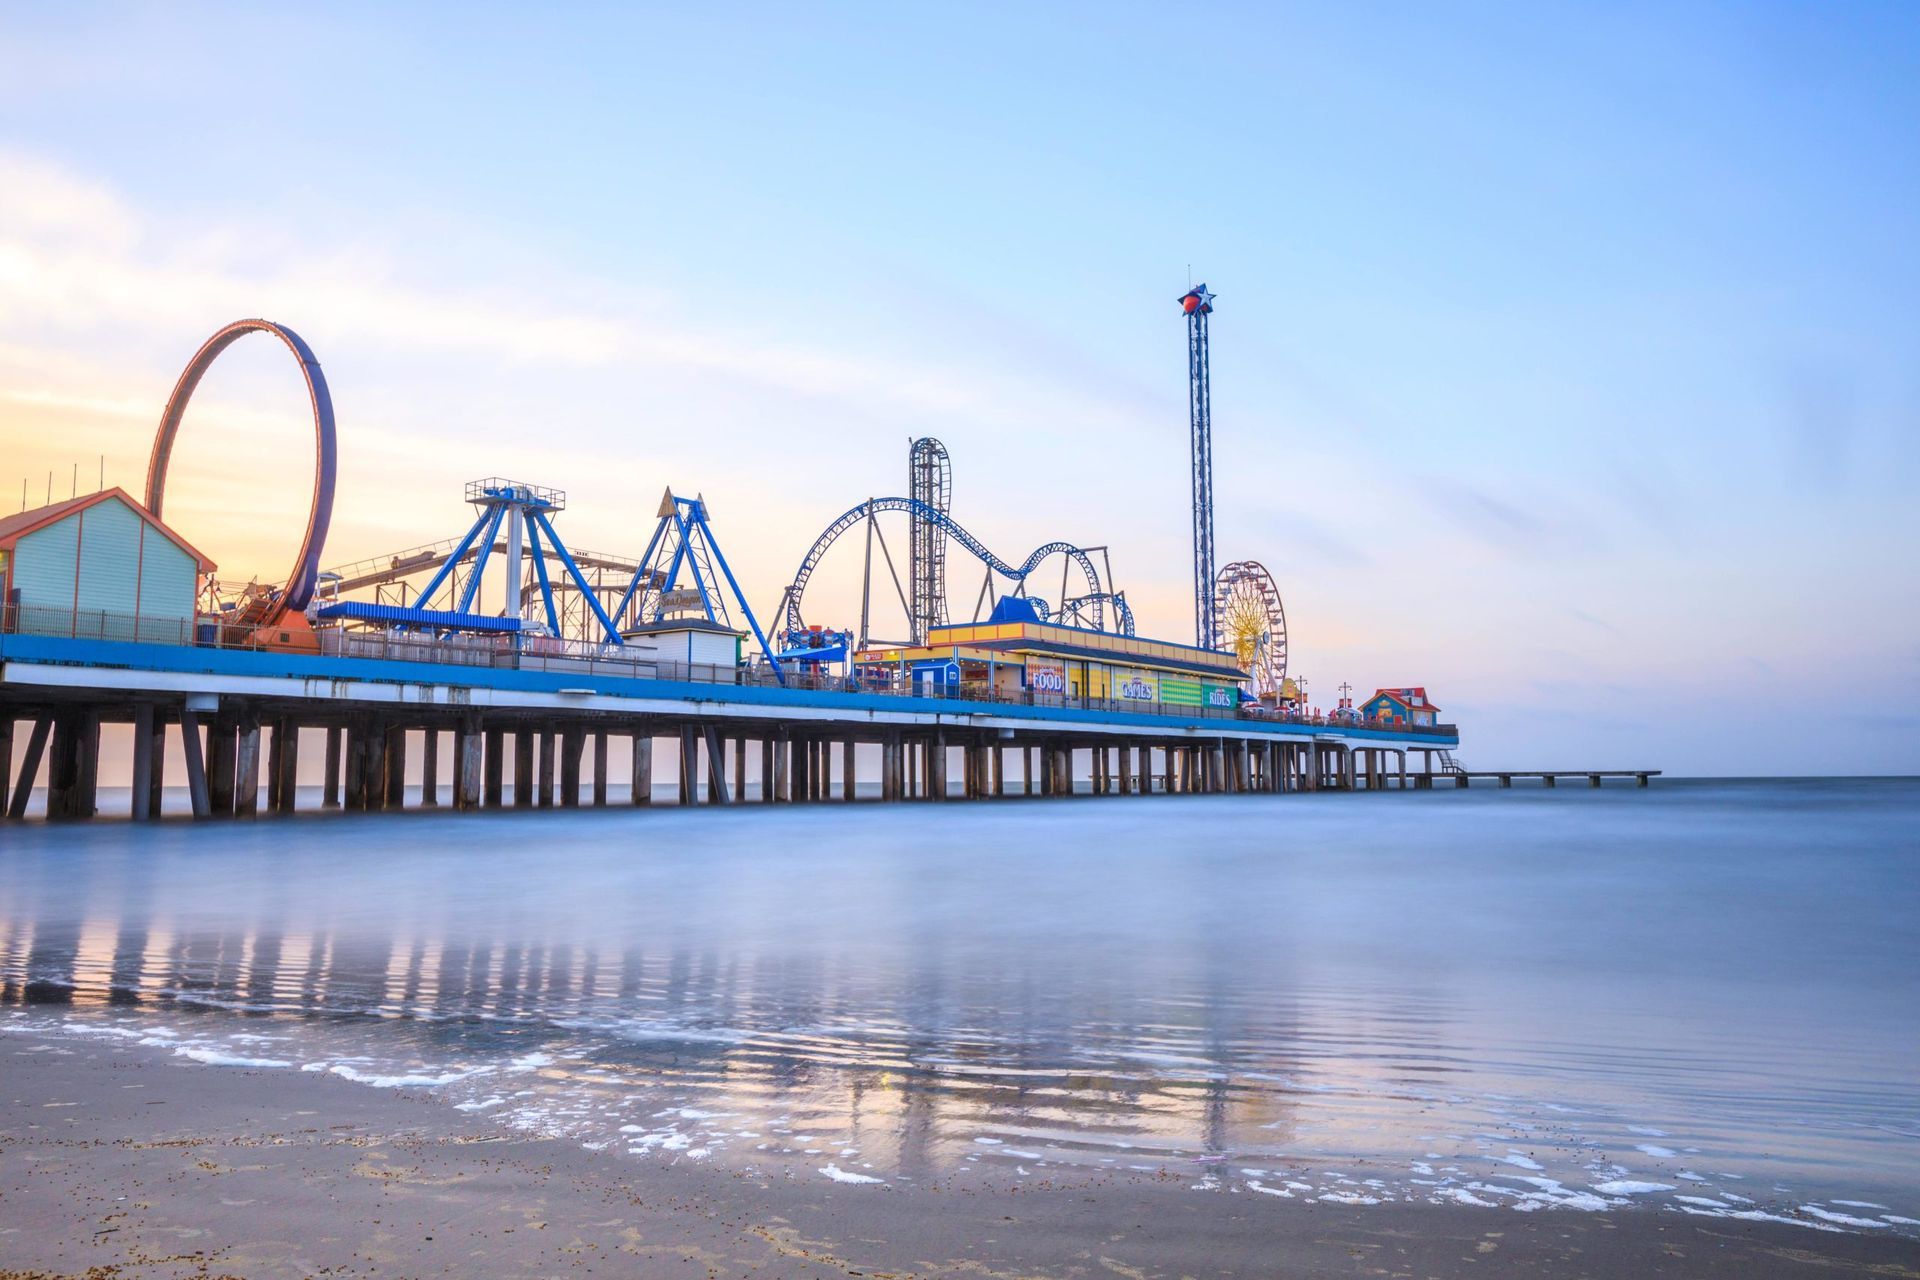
point(1565, 359)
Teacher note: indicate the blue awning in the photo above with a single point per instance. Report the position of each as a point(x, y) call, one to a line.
point(395, 615)
point(831, 653)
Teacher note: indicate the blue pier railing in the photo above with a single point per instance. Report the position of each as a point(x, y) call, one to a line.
point(461, 658)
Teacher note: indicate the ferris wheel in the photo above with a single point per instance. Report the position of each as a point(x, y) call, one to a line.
point(1250, 620)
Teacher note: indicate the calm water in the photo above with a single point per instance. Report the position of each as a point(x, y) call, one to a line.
point(1702, 996)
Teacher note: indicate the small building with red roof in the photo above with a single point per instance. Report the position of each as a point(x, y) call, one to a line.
point(1408, 705)
point(99, 566)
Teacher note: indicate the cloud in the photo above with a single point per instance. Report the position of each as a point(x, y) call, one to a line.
point(76, 260)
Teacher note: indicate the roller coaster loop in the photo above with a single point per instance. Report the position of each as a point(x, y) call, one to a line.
point(306, 565)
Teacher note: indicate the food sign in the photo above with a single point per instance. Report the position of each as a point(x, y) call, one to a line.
point(1042, 678)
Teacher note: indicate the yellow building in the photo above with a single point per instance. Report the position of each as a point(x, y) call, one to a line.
point(1010, 655)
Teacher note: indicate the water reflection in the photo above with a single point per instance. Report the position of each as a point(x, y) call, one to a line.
point(1406, 996)
point(1084, 1072)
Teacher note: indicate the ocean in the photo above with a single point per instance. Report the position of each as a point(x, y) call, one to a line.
point(1703, 997)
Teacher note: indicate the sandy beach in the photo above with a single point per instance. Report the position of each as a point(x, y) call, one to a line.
point(120, 1161)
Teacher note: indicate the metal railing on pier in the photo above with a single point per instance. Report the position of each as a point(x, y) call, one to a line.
point(589, 661)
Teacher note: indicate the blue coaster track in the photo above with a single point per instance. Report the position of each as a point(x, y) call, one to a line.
point(1093, 604)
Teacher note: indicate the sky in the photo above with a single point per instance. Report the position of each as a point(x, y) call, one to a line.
point(1564, 360)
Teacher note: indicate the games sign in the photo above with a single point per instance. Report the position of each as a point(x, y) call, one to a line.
point(1133, 686)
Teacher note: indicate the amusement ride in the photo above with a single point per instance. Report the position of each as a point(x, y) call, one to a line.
point(551, 594)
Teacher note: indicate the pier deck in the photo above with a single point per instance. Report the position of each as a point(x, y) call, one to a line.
point(1548, 777)
point(547, 732)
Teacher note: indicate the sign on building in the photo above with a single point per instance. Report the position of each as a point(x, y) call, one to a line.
point(1046, 678)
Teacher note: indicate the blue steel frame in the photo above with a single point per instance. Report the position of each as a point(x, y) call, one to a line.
point(494, 507)
point(686, 539)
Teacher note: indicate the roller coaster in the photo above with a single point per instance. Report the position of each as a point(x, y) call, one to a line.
point(1099, 607)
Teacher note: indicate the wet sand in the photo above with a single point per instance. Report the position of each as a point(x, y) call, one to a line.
point(126, 1162)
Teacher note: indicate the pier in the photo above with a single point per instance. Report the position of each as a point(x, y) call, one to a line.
point(553, 682)
point(527, 731)
point(1546, 777)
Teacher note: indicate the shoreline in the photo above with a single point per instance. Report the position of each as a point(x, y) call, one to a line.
point(127, 1160)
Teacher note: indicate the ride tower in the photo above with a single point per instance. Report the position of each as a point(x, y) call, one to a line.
point(929, 483)
point(1197, 303)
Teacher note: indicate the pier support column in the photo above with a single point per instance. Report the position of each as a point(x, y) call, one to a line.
point(573, 744)
point(288, 791)
point(246, 765)
point(276, 740)
point(221, 749)
point(330, 775)
point(469, 763)
point(823, 752)
point(689, 780)
point(849, 771)
point(599, 769)
point(642, 780)
point(396, 768)
point(141, 791)
point(89, 779)
point(766, 771)
point(430, 768)
point(547, 768)
point(740, 770)
point(997, 784)
point(783, 769)
point(6, 757)
point(522, 766)
point(196, 765)
point(1126, 771)
point(493, 768)
point(717, 791)
point(29, 767)
point(63, 767)
point(356, 766)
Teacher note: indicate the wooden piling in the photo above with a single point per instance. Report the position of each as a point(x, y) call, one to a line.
point(29, 766)
point(246, 765)
point(141, 798)
point(573, 744)
point(288, 791)
point(430, 768)
point(642, 768)
point(547, 768)
point(523, 745)
point(493, 767)
point(330, 778)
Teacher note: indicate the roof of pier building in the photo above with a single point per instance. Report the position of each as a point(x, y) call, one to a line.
point(1024, 641)
point(93, 558)
point(21, 523)
point(1409, 704)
